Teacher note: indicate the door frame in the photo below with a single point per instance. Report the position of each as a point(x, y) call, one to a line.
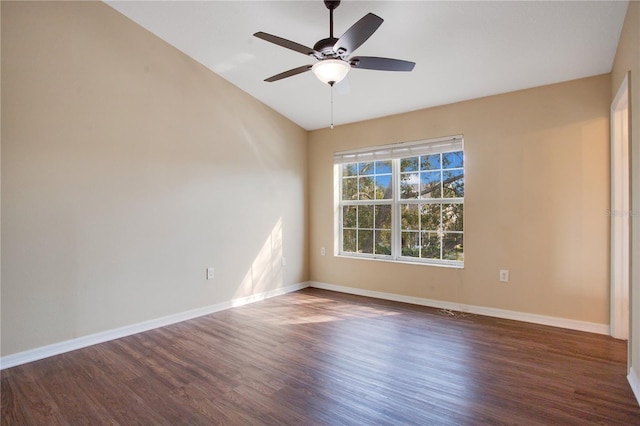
point(620, 213)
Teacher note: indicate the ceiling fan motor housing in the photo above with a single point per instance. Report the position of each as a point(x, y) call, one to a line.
point(325, 46)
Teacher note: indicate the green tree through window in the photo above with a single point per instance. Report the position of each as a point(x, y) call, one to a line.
point(404, 207)
point(367, 222)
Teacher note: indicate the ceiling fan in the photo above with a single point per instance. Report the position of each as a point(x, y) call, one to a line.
point(333, 54)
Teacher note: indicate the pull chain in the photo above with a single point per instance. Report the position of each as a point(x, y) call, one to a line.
point(331, 84)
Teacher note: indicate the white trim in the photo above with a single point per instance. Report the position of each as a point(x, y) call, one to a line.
point(82, 342)
point(590, 327)
point(634, 382)
point(403, 259)
point(620, 213)
point(105, 336)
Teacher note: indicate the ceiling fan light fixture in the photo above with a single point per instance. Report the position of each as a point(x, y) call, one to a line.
point(331, 71)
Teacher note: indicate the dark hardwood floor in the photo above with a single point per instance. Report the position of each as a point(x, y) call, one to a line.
point(321, 358)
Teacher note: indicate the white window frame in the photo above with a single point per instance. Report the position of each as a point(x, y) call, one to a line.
point(393, 152)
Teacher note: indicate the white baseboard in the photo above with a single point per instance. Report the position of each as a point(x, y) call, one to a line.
point(82, 342)
point(590, 327)
point(93, 339)
point(634, 381)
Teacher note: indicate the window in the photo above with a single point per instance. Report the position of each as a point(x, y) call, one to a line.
point(403, 202)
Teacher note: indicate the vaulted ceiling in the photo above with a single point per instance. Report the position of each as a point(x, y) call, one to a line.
point(462, 50)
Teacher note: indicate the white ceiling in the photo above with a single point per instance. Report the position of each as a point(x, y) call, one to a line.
point(462, 50)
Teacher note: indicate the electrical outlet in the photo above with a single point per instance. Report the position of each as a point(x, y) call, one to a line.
point(504, 275)
point(322, 252)
point(210, 274)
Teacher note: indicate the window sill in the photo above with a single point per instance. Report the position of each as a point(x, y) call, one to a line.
point(440, 264)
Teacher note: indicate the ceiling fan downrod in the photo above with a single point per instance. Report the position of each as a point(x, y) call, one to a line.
point(331, 5)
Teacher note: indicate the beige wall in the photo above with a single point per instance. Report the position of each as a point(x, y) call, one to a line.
point(536, 200)
point(628, 60)
point(127, 169)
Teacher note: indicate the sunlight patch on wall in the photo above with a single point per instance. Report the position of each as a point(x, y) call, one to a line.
point(266, 271)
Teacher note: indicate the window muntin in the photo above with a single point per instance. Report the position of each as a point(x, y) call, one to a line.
point(366, 200)
point(408, 208)
point(432, 231)
point(431, 226)
point(366, 181)
point(432, 176)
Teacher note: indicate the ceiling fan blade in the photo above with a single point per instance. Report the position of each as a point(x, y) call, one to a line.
point(357, 34)
point(287, 44)
point(381, 64)
point(289, 73)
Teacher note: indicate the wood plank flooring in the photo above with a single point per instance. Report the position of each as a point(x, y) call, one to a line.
point(322, 358)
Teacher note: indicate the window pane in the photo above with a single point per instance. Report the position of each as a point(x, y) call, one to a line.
point(452, 247)
point(383, 167)
point(349, 240)
point(383, 217)
point(350, 188)
point(452, 217)
point(409, 215)
point(349, 216)
point(365, 241)
point(453, 183)
point(365, 168)
point(383, 242)
point(409, 164)
point(430, 217)
point(430, 245)
point(427, 194)
point(383, 187)
point(365, 188)
point(409, 185)
point(430, 162)
point(365, 217)
point(350, 169)
point(430, 185)
point(452, 160)
point(410, 244)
